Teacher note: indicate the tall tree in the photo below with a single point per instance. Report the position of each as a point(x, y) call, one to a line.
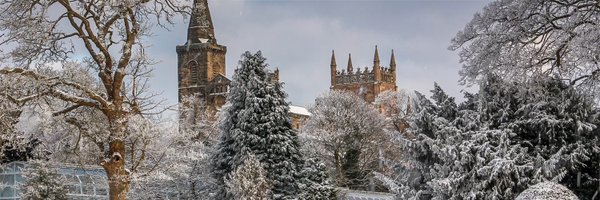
point(520, 38)
point(256, 121)
point(348, 132)
point(110, 33)
point(514, 136)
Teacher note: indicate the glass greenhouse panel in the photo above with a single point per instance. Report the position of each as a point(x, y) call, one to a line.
point(83, 182)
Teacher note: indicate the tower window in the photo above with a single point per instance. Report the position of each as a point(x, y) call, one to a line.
point(193, 72)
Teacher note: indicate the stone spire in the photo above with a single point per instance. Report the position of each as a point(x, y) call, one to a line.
point(333, 68)
point(393, 62)
point(350, 69)
point(333, 63)
point(201, 28)
point(376, 66)
point(376, 57)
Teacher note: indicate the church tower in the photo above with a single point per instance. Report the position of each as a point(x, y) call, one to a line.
point(201, 60)
point(367, 83)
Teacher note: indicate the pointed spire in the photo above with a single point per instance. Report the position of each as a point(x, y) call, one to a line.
point(333, 66)
point(350, 69)
point(376, 66)
point(393, 62)
point(333, 63)
point(376, 57)
point(201, 28)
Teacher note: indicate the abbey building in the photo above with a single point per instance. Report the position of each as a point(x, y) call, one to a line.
point(202, 68)
point(366, 83)
point(201, 60)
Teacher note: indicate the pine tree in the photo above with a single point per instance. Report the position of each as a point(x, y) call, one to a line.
point(257, 122)
point(249, 181)
point(43, 182)
point(446, 105)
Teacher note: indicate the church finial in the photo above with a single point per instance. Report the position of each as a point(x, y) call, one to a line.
point(333, 63)
point(201, 28)
point(376, 57)
point(350, 69)
point(393, 62)
point(376, 66)
point(333, 67)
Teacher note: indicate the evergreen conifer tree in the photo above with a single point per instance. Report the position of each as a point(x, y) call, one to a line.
point(315, 183)
point(257, 122)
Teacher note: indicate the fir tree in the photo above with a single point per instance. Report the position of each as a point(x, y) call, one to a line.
point(511, 136)
point(315, 183)
point(257, 122)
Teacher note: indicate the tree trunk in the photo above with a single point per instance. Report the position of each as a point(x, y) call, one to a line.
point(114, 164)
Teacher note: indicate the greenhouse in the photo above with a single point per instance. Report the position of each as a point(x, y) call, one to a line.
point(83, 182)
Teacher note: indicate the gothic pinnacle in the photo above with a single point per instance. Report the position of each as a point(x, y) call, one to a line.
point(393, 62)
point(350, 69)
point(333, 63)
point(376, 57)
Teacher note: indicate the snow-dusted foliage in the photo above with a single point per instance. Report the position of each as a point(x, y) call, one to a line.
point(110, 35)
point(198, 117)
point(315, 183)
point(520, 38)
point(175, 162)
point(159, 159)
point(249, 181)
point(348, 133)
point(500, 141)
point(256, 122)
point(557, 123)
point(396, 108)
point(547, 190)
point(42, 182)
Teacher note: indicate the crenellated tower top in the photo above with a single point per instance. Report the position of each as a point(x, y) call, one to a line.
point(367, 82)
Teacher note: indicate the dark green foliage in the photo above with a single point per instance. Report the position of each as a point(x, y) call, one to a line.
point(507, 137)
point(257, 122)
point(315, 183)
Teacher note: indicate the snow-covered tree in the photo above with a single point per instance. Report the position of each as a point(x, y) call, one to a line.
point(198, 117)
point(249, 181)
point(520, 38)
point(256, 121)
point(349, 133)
point(110, 34)
point(396, 108)
point(42, 182)
point(315, 183)
point(512, 136)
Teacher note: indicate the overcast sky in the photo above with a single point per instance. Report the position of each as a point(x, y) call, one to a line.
point(298, 35)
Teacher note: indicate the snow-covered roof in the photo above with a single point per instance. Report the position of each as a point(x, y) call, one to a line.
point(347, 194)
point(547, 190)
point(299, 111)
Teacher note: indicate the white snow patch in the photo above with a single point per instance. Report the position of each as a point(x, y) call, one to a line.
point(299, 111)
point(547, 190)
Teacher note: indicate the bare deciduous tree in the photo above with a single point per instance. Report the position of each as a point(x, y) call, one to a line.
point(109, 33)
